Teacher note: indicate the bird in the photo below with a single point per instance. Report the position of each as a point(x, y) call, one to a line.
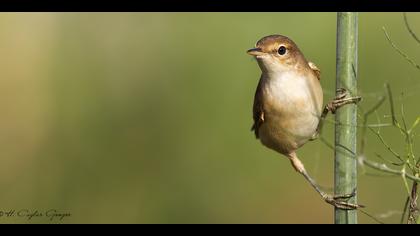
point(288, 106)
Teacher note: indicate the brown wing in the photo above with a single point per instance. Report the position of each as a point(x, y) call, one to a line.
point(315, 69)
point(258, 112)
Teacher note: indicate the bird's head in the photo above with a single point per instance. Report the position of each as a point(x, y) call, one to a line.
point(277, 53)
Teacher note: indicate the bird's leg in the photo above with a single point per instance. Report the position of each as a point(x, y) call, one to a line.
point(333, 200)
point(340, 100)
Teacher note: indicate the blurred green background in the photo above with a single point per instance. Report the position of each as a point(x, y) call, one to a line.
point(145, 117)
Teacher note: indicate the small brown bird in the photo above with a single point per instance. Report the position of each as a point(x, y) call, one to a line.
point(288, 104)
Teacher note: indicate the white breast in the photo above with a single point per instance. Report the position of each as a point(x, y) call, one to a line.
point(293, 105)
point(287, 87)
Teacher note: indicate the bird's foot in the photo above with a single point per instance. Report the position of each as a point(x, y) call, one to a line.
point(314, 136)
point(340, 202)
point(341, 99)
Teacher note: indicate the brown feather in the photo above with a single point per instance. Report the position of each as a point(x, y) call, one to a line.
point(315, 69)
point(258, 112)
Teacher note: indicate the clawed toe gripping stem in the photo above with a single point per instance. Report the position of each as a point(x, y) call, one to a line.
point(340, 100)
point(339, 201)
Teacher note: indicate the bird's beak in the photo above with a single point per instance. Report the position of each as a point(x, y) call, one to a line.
point(255, 52)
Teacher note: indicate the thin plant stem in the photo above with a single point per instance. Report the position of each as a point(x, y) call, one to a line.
point(409, 28)
point(384, 168)
point(413, 63)
point(345, 167)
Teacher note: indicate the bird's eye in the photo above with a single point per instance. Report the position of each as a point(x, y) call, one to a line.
point(282, 50)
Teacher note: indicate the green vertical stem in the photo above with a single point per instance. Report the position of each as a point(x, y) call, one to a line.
point(345, 180)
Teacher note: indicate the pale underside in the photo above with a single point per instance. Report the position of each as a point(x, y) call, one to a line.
point(290, 109)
